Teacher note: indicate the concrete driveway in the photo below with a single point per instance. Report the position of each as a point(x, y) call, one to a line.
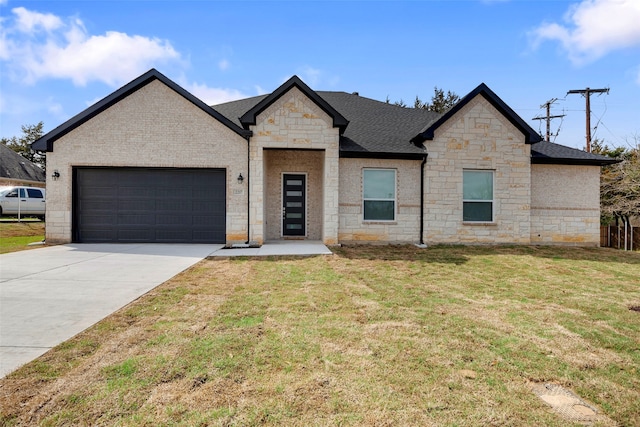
point(50, 294)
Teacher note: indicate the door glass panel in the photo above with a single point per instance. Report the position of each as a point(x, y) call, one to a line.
point(294, 205)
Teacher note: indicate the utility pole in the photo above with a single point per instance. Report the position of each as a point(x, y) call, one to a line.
point(548, 117)
point(587, 94)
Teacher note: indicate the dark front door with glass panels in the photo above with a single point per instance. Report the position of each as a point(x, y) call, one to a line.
point(293, 205)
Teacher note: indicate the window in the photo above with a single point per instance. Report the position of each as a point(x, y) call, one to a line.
point(34, 194)
point(379, 194)
point(477, 196)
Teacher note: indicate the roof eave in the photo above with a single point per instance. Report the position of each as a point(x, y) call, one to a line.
point(531, 136)
point(572, 162)
point(381, 155)
point(250, 117)
point(45, 143)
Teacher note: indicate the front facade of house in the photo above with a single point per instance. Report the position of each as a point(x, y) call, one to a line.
point(152, 163)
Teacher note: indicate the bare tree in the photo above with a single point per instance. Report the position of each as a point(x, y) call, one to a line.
point(620, 182)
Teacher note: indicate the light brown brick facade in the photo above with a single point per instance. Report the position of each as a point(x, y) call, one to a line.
point(478, 138)
point(153, 127)
point(157, 127)
point(565, 205)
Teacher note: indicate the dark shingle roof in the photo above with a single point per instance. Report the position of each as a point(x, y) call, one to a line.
point(14, 166)
point(550, 153)
point(375, 129)
point(249, 118)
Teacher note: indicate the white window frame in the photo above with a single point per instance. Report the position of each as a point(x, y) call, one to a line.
point(394, 199)
point(492, 200)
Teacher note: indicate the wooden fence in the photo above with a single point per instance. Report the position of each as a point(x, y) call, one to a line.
point(612, 236)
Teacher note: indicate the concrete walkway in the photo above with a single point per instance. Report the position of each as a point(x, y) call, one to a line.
point(278, 248)
point(50, 294)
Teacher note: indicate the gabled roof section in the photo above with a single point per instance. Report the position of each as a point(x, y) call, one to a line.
point(555, 154)
point(45, 143)
point(376, 129)
point(483, 90)
point(14, 166)
point(249, 118)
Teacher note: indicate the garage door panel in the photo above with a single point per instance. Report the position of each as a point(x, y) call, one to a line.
point(136, 219)
point(176, 219)
point(150, 205)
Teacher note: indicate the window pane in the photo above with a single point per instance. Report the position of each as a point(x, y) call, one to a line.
point(34, 194)
point(297, 182)
point(294, 226)
point(291, 215)
point(294, 193)
point(478, 185)
point(378, 211)
point(477, 211)
point(294, 204)
point(379, 184)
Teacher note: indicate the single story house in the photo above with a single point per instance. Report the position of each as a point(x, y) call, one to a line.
point(153, 163)
point(16, 170)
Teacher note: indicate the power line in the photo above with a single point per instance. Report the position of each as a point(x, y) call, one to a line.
point(548, 117)
point(587, 94)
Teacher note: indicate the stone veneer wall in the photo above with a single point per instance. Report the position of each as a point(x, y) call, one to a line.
point(278, 162)
point(477, 137)
point(152, 127)
point(406, 227)
point(565, 205)
point(293, 122)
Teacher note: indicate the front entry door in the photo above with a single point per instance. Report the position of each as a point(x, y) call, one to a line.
point(293, 204)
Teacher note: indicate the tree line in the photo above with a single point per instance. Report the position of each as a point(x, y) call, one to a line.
point(22, 144)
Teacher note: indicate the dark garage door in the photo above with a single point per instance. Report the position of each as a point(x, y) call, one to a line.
point(134, 205)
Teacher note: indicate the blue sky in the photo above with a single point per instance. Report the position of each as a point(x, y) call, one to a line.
point(59, 57)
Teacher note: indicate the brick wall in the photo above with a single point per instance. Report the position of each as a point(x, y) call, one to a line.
point(406, 227)
point(153, 127)
point(477, 137)
point(306, 162)
point(293, 122)
point(565, 205)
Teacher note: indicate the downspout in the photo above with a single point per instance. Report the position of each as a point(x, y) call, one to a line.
point(422, 165)
point(248, 190)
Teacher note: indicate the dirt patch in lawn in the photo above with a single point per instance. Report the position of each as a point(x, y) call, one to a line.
point(569, 405)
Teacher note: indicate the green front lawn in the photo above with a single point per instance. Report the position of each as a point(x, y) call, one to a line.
point(372, 336)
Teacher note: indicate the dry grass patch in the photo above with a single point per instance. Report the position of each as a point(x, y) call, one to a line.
point(389, 335)
point(15, 236)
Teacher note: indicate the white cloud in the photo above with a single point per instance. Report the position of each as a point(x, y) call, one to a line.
point(223, 65)
point(593, 28)
point(311, 76)
point(35, 46)
point(28, 21)
point(212, 95)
